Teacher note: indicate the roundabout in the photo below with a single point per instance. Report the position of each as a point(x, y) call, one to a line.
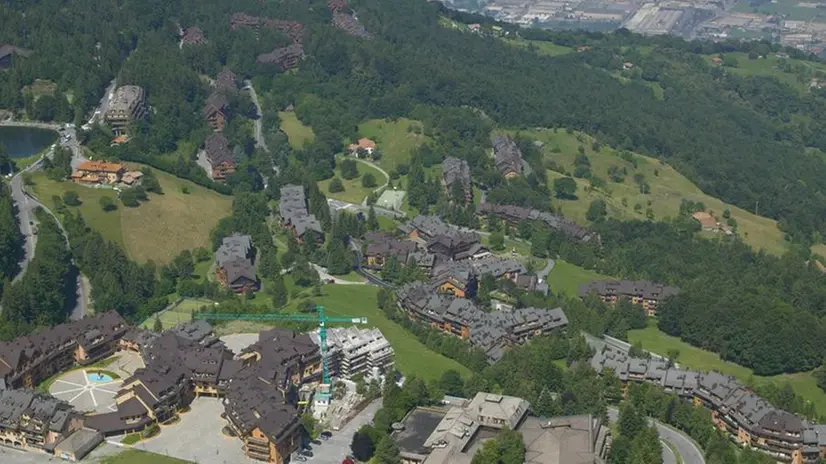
point(88, 390)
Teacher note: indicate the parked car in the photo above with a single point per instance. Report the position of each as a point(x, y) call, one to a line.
point(326, 434)
point(307, 453)
point(316, 442)
point(300, 458)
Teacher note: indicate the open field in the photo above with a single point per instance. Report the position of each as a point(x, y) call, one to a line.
point(184, 221)
point(39, 88)
point(353, 191)
point(180, 314)
point(789, 9)
point(133, 456)
point(297, 133)
point(540, 47)
point(652, 339)
point(566, 277)
point(395, 139)
point(668, 188)
point(768, 66)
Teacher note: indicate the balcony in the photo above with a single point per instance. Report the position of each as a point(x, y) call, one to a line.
point(259, 456)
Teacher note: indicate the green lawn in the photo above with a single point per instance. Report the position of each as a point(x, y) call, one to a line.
point(395, 139)
point(668, 188)
point(133, 456)
point(540, 47)
point(183, 220)
point(768, 66)
point(652, 339)
point(360, 301)
point(566, 277)
point(180, 314)
point(353, 191)
point(297, 133)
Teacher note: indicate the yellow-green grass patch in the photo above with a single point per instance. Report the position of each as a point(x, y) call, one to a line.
point(539, 47)
point(297, 133)
point(134, 456)
point(691, 357)
point(395, 139)
point(353, 191)
point(770, 66)
point(668, 189)
point(178, 314)
point(566, 277)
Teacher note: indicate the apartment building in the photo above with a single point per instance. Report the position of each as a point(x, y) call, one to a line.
point(235, 264)
point(227, 81)
point(350, 24)
point(352, 351)
point(455, 170)
point(285, 57)
point(192, 36)
point(292, 29)
point(382, 245)
point(446, 241)
point(295, 215)
point(26, 361)
point(508, 158)
point(736, 410)
point(217, 111)
point(516, 214)
point(98, 172)
point(493, 332)
point(128, 104)
point(33, 421)
point(645, 293)
point(220, 157)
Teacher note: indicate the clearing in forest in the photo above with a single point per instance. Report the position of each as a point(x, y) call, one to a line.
point(297, 133)
point(625, 200)
point(395, 139)
point(159, 228)
point(353, 192)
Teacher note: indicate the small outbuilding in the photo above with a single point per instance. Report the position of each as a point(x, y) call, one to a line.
point(77, 445)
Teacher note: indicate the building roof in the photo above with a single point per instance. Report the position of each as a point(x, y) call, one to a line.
point(456, 170)
point(216, 103)
point(497, 267)
point(125, 98)
point(287, 56)
point(9, 49)
point(629, 288)
point(100, 166)
point(349, 24)
point(563, 440)
point(226, 80)
point(217, 150)
point(193, 35)
point(705, 219)
point(508, 157)
point(292, 207)
point(518, 213)
point(364, 143)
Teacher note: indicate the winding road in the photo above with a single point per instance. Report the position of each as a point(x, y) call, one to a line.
point(688, 450)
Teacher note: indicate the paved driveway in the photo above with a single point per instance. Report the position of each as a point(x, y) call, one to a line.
point(197, 437)
point(690, 453)
point(334, 450)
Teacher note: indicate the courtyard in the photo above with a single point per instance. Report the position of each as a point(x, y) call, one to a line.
point(93, 389)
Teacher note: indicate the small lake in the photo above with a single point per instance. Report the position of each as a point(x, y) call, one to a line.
point(21, 142)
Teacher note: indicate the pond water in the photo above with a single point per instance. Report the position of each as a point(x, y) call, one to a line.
point(21, 142)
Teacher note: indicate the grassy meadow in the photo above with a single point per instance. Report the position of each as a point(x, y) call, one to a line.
point(769, 66)
point(353, 191)
point(566, 277)
point(395, 139)
point(668, 188)
point(159, 228)
point(297, 133)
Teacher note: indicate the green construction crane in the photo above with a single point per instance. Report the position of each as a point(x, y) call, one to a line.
point(294, 317)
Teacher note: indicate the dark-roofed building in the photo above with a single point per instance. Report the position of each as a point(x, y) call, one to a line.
point(645, 293)
point(516, 214)
point(382, 245)
point(292, 29)
point(8, 53)
point(33, 421)
point(457, 171)
point(565, 440)
point(295, 216)
point(227, 81)
point(27, 361)
point(446, 241)
point(454, 278)
point(216, 111)
point(128, 105)
point(492, 332)
point(199, 331)
point(349, 24)
point(219, 156)
point(336, 5)
point(285, 57)
point(193, 36)
point(235, 264)
point(499, 268)
point(508, 158)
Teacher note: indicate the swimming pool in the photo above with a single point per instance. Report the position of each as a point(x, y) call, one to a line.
point(98, 377)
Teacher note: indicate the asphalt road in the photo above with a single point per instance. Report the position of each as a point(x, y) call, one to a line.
point(689, 452)
point(334, 450)
point(259, 131)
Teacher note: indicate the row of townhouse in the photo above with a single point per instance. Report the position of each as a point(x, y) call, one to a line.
point(645, 293)
point(493, 332)
point(748, 419)
point(444, 240)
point(295, 214)
point(516, 214)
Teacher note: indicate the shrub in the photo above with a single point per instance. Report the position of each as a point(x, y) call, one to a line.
point(71, 198)
point(108, 204)
point(336, 185)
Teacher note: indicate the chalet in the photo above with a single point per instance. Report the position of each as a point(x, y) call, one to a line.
point(454, 278)
point(499, 268)
point(235, 264)
point(295, 215)
point(98, 172)
point(508, 158)
point(516, 214)
point(292, 29)
point(285, 57)
point(457, 245)
point(8, 52)
point(363, 145)
point(132, 177)
point(219, 156)
point(216, 111)
point(128, 105)
point(455, 170)
point(381, 246)
point(243, 20)
point(227, 81)
point(193, 36)
point(336, 5)
point(642, 292)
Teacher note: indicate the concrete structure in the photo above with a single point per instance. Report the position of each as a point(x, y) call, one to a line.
point(353, 351)
point(77, 445)
point(296, 216)
point(235, 264)
point(492, 332)
point(645, 293)
point(128, 104)
point(98, 172)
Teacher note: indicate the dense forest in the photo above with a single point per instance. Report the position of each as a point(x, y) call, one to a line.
point(11, 241)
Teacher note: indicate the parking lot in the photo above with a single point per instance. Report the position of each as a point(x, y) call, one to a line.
point(334, 450)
